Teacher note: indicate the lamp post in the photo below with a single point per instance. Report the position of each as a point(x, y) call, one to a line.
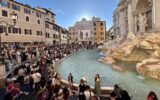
point(14, 18)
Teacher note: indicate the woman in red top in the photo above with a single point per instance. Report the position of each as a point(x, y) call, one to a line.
point(15, 91)
point(152, 96)
point(9, 87)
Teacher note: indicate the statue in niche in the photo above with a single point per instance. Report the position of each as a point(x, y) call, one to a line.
point(142, 23)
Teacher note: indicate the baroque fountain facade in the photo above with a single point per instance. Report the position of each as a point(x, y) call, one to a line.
point(137, 30)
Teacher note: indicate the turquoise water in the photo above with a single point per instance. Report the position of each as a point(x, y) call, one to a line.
point(85, 63)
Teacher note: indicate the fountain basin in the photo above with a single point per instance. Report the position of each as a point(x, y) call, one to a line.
point(85, 63)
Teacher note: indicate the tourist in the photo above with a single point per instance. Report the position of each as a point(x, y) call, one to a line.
point(15, 91)
point(64, 95)
point(8, 79)
point(29, 74)
point(37, 77)
point(26, 85)
point(58, 81)
point(113, 96)
point(125, 95)
point(20, 77)
point(18, 55)
point(152, 96)
point(88, 93)
point(97, 88)
point(117, 91)
point(44, 95)
point(70, 80)
point(31, 81)
point(81, 90)
point(43, 82)
point(84, 80)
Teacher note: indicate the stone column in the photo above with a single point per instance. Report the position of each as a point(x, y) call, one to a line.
point(122, 23)
point(156, 9)
point(130, 18)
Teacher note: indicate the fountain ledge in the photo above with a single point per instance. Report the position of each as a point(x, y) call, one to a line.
point(104, 90)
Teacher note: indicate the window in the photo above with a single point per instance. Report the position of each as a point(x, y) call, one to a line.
point(15, 30)
point(8, 4)
point(94, 28)
point(54, 28)
point(47, 35)
point(39, 33)
point(94, 33)
point(2, 29)
point(38, 21)
point(94, 24)
point(47, 19)
point(27, 31)
point(19, 30)
point(9, 29)
point(27, 18)
point(54, 36)
point(27, 11)
point(102, 38)
point(38, 14)
point(30, 32)
point(15, 7)
point(3, 3)
point(4, 13)
point(101, 28)
point(81, 35)
point(87, 35)
point(101, 24)
point(101, 33)
point(47, 25)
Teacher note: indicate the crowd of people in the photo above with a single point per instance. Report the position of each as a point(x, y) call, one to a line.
point(40, 75)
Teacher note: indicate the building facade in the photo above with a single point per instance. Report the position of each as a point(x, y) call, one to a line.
point(72, 37)
point(88, 31)
point(33, 24)
point(99, 30)
point(64, 36)
point(84, 31)
point(136, 17)
point(52, 30)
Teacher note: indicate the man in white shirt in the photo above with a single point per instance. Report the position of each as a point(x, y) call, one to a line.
point(88, 93)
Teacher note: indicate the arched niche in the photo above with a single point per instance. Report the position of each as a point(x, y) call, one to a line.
point(144, 7)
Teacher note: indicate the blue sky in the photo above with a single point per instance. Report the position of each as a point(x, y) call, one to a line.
point(69, 11)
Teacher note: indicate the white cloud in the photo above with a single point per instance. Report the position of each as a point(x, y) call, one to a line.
point(59, 11)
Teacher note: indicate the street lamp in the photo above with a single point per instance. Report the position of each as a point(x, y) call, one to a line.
point(14, 17)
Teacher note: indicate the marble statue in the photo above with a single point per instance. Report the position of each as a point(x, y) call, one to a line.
point(131, 36)
point(119, 38)
point(142, 23)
